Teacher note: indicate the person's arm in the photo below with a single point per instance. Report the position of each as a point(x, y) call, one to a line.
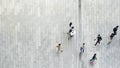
point(101, 38)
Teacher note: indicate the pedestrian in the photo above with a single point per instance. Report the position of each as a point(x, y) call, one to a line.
point(81, 51)
point(59, 48)
point(82, 48)
point(99, 38)
point(111, 37)
point(71, 32)
point(93, 59)
point(115, 30)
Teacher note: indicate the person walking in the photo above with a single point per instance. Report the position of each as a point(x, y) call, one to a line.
point(112, 35)
point(99, 38)
point(82, 48)
point(93, 59)
point(59, 48)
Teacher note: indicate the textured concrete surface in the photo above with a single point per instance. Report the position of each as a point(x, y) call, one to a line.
point(100, 17)
point(31, 29)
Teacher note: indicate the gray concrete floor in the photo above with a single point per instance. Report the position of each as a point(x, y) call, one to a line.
point(31, 29)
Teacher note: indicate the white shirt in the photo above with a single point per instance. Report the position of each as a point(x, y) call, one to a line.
point(72, 33)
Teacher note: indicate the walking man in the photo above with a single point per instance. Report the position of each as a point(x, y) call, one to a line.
point(93, 59)
point(82, 48)
point(99, 38)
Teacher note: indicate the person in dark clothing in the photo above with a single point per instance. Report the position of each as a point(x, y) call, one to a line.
point(115, 30)
point(70, 30)
point(99, 38)
point(94, 57)
point(70, 24)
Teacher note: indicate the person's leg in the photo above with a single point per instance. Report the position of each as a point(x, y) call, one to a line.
point(111, 38)
point(83, 50)
point(91, 59)
point(99, 42)
point(58, 50)
point(96, 43)
point(115, 33)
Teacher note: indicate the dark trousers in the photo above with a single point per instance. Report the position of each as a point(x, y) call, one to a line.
point(115, 32)
point(97, 42)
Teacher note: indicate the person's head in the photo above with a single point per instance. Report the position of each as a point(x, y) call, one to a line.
point(73, 27)
point(117, 26)
point(59, 44)
point(83, 43)
point(98, 34)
